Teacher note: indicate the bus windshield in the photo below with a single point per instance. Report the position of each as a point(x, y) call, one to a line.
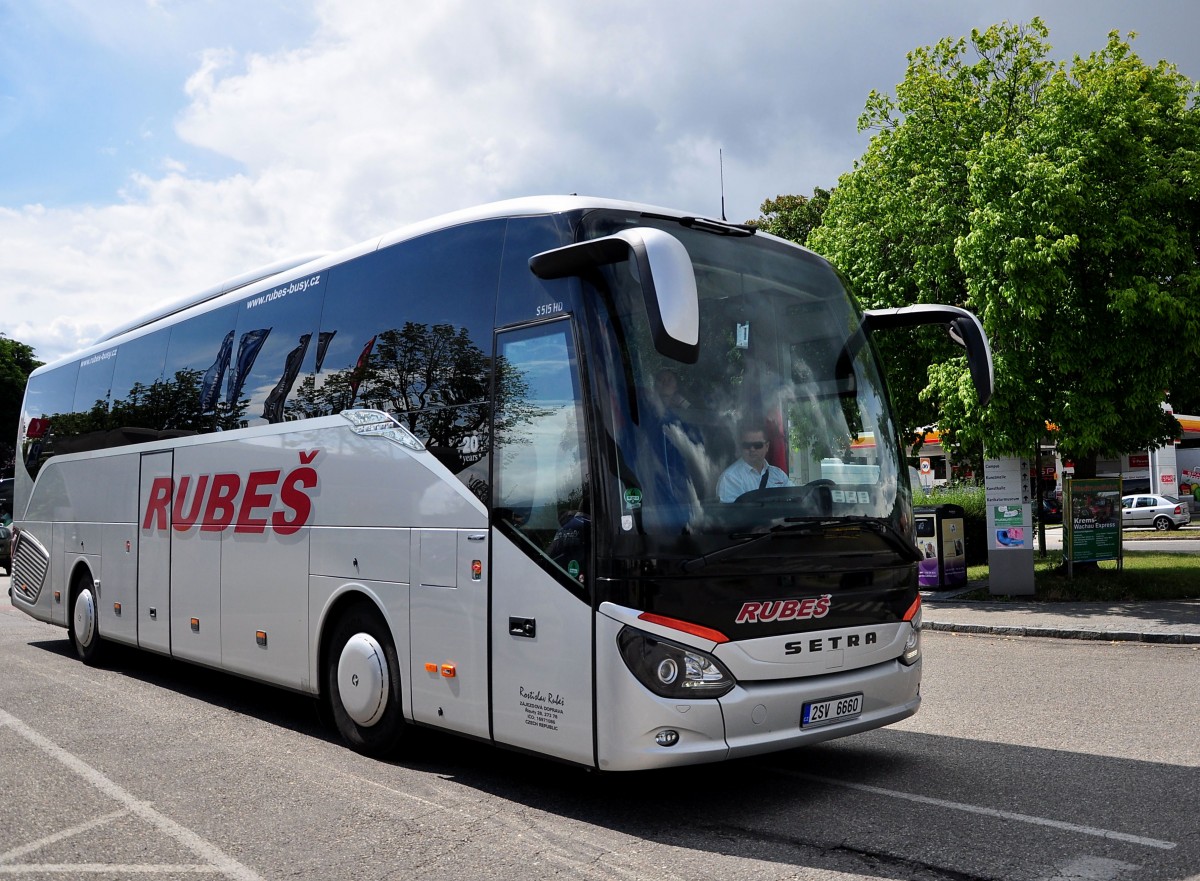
point(781, 426)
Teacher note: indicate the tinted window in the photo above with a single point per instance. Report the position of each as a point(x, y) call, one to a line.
point(541, 463)
point(522, 292)
point(46, 418)
point(408, 330)
point(197, 363)
point(139, 408)
point(95, 381)
point(273, 343)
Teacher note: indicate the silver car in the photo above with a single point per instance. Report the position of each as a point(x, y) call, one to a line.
point(1161, 512)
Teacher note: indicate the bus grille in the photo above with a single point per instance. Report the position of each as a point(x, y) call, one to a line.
point(30, 562)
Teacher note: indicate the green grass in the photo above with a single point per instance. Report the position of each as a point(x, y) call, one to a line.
point(969, 498)
point(1146, 576)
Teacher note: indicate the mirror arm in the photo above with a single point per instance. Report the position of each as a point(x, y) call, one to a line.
point(964, 328)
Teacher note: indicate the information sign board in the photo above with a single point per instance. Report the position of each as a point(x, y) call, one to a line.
point(1093, 519)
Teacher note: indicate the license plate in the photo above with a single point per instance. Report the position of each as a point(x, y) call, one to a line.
point(833, 710)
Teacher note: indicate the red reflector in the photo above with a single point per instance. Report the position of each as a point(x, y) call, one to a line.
point(684, 626)
point(912, 610)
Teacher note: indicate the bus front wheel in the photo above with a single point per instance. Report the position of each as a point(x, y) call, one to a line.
point(362, 682)
point(84, 626)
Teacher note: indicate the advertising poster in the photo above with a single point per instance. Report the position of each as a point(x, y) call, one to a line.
point(1010, 526)
point(927, 569)
point(1093, 519)
point(954, 554)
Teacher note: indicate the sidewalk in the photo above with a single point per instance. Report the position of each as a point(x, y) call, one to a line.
point(1176, 621)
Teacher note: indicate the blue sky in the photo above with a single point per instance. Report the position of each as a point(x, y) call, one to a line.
point(89, 91)
point(149, 148)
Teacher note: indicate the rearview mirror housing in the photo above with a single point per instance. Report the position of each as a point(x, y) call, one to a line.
point(666, 274)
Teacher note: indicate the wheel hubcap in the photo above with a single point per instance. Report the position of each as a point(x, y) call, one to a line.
point(362, 678)
point(85, 618)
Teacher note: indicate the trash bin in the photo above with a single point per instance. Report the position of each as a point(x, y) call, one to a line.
point(941, 539)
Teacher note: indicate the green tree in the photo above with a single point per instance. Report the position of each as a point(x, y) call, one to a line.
point(16, 363)
point(1061, 203)
point(793, 217)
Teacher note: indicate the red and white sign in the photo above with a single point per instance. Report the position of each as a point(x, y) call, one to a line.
point(784, 610)
point(1139, 460)
point(248, 504)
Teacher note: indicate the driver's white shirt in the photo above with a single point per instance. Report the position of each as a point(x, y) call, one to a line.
point(740, 477)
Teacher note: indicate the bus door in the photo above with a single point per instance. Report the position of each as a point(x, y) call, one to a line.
point(448, 629)
point(154, 553)
point(541, 618)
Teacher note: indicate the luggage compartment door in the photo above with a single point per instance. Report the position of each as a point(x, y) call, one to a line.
point(154, 551)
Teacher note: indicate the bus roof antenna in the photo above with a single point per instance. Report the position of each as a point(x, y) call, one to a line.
point(721, 161)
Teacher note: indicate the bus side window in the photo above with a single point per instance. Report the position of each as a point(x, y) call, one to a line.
point(276, 337)
point(522, 292)
point(540, 463)
point(407, 329)
point(135, 386)
point(199, 358)
point(46, 415)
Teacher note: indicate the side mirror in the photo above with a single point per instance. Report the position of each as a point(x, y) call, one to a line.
point(665, 271)
point(964, 328)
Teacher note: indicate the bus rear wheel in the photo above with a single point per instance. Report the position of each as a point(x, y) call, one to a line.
point(362, 682)
point(84, 627)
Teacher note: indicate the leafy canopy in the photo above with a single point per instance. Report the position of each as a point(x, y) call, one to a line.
point(16, 363)
point(1061, 203)
point(793, 217)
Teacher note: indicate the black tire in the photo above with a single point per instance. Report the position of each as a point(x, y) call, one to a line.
point(84, 622)
point(1163, 524)
point(371, 722)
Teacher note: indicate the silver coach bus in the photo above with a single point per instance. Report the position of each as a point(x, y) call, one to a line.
point(498, 474)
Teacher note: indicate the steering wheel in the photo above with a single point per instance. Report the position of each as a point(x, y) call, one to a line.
point(814, 489)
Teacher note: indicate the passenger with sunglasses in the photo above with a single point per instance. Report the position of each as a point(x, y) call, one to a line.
point(751, 471)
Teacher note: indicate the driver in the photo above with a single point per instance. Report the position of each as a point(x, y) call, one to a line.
point(751, 471)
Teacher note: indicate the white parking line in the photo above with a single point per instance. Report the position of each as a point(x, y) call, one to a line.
point(106, 869)
point(987, 812)
point(60, 836)
point(216, 859)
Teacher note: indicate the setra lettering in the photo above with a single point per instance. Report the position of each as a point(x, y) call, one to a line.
point(853, 640)
point(248, 504)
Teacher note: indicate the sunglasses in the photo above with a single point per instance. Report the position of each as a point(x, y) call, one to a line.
point(754, 445)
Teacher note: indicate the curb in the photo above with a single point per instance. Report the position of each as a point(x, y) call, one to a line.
point(1067, 633)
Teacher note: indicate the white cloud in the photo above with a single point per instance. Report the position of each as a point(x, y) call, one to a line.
point(379, 112)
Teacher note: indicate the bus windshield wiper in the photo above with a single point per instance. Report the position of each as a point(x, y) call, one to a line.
point(707, 224)
point(892, 536)
point(746, 539)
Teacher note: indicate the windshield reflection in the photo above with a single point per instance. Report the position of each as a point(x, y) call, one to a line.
point(783, 416)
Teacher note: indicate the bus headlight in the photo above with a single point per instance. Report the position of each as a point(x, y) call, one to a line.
point(912, 647)
point(671, 670)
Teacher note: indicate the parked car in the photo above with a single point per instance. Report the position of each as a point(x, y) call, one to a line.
point(1051, 511)
point(1160, 512)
